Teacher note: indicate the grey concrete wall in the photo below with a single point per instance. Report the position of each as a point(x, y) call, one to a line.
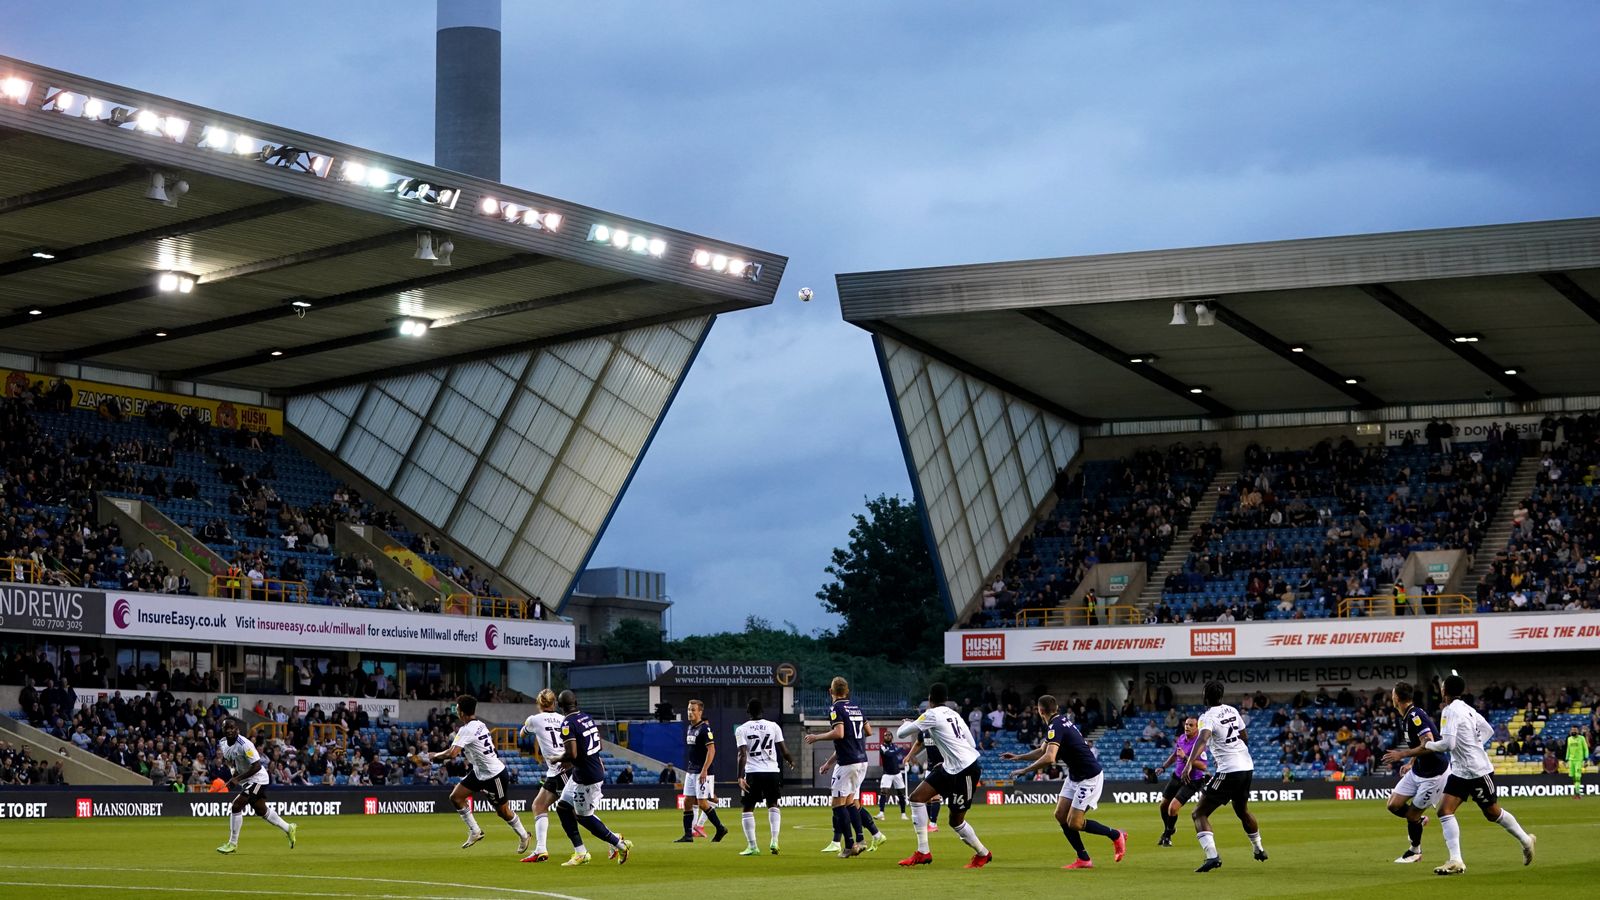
point(365, 540)
point(168, 542)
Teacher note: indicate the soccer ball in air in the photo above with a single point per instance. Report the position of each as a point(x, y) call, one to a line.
point(805, 295)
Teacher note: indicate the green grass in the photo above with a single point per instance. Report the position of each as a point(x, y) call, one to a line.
point(1319, 849)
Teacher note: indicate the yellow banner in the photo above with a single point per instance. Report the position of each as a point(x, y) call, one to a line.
point(132, 402)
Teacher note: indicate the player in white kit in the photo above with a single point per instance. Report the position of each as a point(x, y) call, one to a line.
point(545, 726)
point(1222, 731)
point(486, 774)
point(1463, 734)
point(955, 778)
point(250, 779)
point(760, 779)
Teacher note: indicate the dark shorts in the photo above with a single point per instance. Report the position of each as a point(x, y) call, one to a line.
point(765, 788)
point(1182, 790)
point(497, 789)
point(555, 784)
point(1479, 790)
point(1225, 788)
point(956, 789)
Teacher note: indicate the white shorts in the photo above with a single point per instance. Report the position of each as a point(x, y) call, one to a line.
point(700, 788)
point(893, 782)
point(1085, 794)
point(583, 798)
point(1424, 792)
point(847, 780)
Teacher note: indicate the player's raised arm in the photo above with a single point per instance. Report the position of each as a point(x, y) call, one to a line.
point(910, 728)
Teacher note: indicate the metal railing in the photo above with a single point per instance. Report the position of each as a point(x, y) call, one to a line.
point(505, 737)
point(490, 607)
point(270, 730)
point(1409, 605)
point(20, 569)
point(272, 590)
point(1116, 614)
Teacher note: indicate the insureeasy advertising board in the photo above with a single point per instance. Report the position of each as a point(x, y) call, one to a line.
point(215, 620)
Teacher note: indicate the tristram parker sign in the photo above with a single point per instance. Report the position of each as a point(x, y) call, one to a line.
point(213, 620)
point(1319, 639)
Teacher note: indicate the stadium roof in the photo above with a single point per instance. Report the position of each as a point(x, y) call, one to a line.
point(273, 217)
point(1508, 311)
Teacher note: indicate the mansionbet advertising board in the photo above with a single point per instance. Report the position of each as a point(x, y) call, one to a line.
point(214, 620)
point(1321, 639)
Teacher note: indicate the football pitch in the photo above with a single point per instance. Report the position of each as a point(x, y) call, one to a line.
point(1318, 849)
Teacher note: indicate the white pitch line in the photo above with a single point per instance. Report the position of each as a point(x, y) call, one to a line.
point(216, 890)
point(444, 884)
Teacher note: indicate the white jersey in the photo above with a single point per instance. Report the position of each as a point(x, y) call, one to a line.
point(240, 756)
point(948, 732)
point(546, 729)
point(477, 745)
point(760, 740)
point(1465, 732)
point(1227, 745)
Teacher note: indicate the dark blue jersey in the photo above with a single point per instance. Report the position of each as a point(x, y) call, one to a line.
point(697, 741)
point(586, 767)
point(852, 748)
point(1415, 722)
point(892, 758)
point(1072, 750)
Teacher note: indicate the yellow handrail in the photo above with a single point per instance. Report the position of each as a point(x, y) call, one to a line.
point(272, 730)
point(492, 607)
point(19, 569)
point(505, 737)
point(1116, 614)
point(1442, 605)
point(273, 590)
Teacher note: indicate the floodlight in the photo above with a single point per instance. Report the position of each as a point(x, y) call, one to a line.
point(551, 221)
point(145, 120)
point(1198, 389)
point(36, 311)
point(174, 283)
point(93, 108)
point(275, 353)
point(175, 128)
point(16, 89)
point(658, 247)
point(702, 258)
point(1178, 317)
point(353, 171)
point(489, 206)
point(424, 246)
point(64, 100)
point(639, 243)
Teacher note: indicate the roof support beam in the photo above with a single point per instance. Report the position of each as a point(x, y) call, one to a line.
point(72, 189)
point(1144, 370)
point(967, 368)
point(176, 229)
point(284, 309)
point(1396, 304)
point(1582, 299)
point(1322, 373)
point(131, 295)
point(392, 333)
point(554, 340)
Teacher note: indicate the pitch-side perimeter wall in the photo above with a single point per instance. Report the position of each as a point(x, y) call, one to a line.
point(109, 802)
point(1308, 639)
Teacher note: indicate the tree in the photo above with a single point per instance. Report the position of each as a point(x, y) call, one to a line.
point(884, 587)
point(633, 640)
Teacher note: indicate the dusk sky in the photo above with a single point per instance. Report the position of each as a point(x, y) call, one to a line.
point(855, 136)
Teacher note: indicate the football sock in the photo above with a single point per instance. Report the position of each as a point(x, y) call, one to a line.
point(277, 822)
point(235, 822)
point(902, 796)
point(599, 830)
point(465, 813)
point(569, 824)
point(1169, 824)
point(711, 814)
point(516, 825)
point(688, 822)
point(541, 828)
point(1255, 839)
point(883, 800)
point(842, 827)
point(1094, 827)
point(933, 811)
point(853, 822)
point(1414, 829)
point(1452, 836)
point(774, 821)
point(748, 820)
point(1075, 841)
point(1207, 843)
point(919, 824)
point(1509, 823)
point(970, 838)
point(865, 818)
point(699, 817)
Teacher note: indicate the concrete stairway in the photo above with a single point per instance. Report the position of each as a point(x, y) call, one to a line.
point(1173, 561)
point(1498, 533)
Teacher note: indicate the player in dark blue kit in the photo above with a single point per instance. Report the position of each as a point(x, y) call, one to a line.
point(581, 797)
point(700, 749)
point(1081, 790)
point(849, 761)
point(893, 782)
point(1422, 781)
